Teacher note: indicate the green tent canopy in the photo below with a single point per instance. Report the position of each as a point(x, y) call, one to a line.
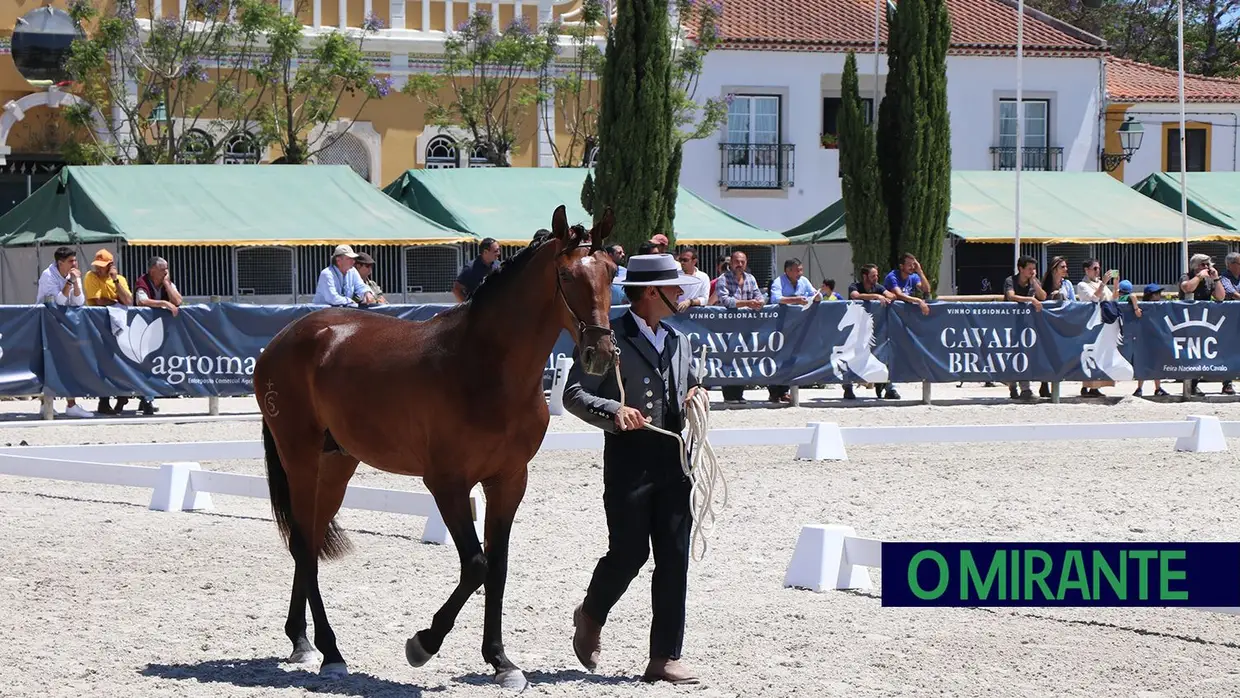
point(825, 226)
point(1213, 197)
point(215, 205)
point(1056, 207)
point(510, 204)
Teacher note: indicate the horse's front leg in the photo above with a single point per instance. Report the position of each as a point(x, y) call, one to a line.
point(503, 498)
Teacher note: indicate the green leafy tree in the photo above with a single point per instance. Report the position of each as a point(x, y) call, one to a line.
point(168, 65)
point(866, 224)
point(636, 126)
point(300, 89)
point(570, 89)
point(489, 84)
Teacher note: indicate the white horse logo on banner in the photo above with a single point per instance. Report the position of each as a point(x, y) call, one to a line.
point(1103, 356)
point(138, 340)
point(854, 354)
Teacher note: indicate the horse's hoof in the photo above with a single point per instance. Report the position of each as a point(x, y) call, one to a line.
point(335, 670)
point(511, 679)
point(415, 654)
point(303, 657)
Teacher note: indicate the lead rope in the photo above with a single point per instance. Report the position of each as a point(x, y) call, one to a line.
point(697, 461)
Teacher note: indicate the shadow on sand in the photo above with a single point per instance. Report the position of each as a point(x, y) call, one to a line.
point(559, 676)
point(272, 672)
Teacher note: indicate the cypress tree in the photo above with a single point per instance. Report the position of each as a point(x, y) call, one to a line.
point(671, 186)
point(587, 194)
point(937, 138)
point(901, 129)
point(635, 129)
point(866, 218)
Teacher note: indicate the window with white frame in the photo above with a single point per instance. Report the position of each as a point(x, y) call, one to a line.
point(241, 149)
point(478, 156)
point(1037, 151)
point(441, 154)
point(195, 147)
point(753, 155)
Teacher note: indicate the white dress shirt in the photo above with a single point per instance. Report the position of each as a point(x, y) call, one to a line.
point(656, 337)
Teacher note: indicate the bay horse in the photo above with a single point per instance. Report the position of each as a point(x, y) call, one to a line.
point(456, 400)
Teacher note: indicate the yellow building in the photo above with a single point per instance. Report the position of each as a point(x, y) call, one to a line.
point(388, 136)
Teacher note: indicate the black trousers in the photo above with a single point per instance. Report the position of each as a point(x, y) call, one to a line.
point(646, 499)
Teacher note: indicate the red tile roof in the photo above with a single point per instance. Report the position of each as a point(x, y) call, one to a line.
point(1130, 81)
point(979, 27)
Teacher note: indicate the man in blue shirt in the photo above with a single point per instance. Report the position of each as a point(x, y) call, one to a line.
point(339, 283)
point(907, 279)
point(472, 274)
point(791, 288)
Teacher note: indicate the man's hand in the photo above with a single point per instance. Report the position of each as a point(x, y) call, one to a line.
point(692, 393)
point(170, 307)
point(1204, 273)
point(629, 418)
point(167, 280)
point(884, 300)
point(113, 273)
point(75, 274)
point(1037, 305)
point(684, 305)
point(1138, 310)
point(925, 307)
point(917, 269)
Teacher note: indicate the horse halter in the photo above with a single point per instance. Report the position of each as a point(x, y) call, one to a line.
point(582, 326)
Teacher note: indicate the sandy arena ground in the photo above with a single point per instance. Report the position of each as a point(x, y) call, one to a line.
point(103, 597)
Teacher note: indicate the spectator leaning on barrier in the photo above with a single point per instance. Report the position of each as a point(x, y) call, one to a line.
point(1094, 289)
point(61, 281)
point(617, 256)
point(1056, 283)
point(472, 274)
point(790, 288)
point(692, 295)
point(867, 288)
point(1152, 293)
point(1023, 287)
point(155, 289)
point(907, 279)
point(105, 286)
point(1201, 284)
point(339, 282)
point(738, 289)
point(1230, 280)
point(365, 266)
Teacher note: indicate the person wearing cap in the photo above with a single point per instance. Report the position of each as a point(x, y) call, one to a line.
point(339, 282)
point(660, 244)
point(646, 495)
point(473, 274)
point(104, 285)
point(365, 266)
point(1152, 293)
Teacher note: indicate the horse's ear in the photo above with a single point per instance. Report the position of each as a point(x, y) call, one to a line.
point(559, 224)
point(602, 229)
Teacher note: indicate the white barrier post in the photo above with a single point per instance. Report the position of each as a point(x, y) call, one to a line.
point(1207, 436)
point(826, 443)
point(174, 491)
point(820, 562)
point(558, 382)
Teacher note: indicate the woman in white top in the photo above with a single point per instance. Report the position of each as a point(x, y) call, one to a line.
point(1094, 289)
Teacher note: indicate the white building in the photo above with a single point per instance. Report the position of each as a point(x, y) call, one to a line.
point(773, 163)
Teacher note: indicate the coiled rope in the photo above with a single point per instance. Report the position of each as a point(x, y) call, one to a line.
point(697, 461)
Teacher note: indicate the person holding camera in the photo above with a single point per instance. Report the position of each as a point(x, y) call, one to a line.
point(1201, 283)
point(1094, 288)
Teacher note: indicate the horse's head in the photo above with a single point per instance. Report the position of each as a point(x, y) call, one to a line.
point(584, 273)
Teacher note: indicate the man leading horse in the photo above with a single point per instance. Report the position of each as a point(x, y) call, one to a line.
point(646, 494)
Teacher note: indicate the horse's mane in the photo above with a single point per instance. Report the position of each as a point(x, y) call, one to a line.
point(500, 280)
point(869, 323)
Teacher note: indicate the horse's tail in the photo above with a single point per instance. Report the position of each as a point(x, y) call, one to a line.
point(335, 543)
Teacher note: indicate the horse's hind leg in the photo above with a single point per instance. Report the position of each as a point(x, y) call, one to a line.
point(328, 542)
point(453, 503)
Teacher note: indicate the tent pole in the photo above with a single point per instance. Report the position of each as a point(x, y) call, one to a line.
point(1020, 120)
point(1183, 148)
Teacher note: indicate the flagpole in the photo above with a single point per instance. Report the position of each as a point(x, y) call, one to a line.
point(878, 4)
point(1183, 149)
point(1020, 119)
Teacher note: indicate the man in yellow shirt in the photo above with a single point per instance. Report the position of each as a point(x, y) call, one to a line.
point(104, 285)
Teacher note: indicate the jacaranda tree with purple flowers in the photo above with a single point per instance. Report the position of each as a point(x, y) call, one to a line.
point(489, 83)
point(161, 78)
point(303, 87)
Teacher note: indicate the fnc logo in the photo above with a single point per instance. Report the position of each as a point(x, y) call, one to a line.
point(1194, 347)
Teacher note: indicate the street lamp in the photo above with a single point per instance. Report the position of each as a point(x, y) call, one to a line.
point(1130, 133)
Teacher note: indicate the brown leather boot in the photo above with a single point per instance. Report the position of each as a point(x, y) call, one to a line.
point(670, 670)
point(586, 642)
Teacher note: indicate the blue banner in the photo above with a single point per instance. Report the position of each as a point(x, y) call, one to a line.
point(210, 350)
point(1061, 574)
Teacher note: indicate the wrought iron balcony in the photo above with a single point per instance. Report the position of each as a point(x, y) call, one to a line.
point(756, 165)
point(1045, 159)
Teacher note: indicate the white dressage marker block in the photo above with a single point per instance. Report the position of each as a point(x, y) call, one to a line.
point(175, 492)
point(1207, 436)
point(558, 381)
point(820, 561)
point(826, 442)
